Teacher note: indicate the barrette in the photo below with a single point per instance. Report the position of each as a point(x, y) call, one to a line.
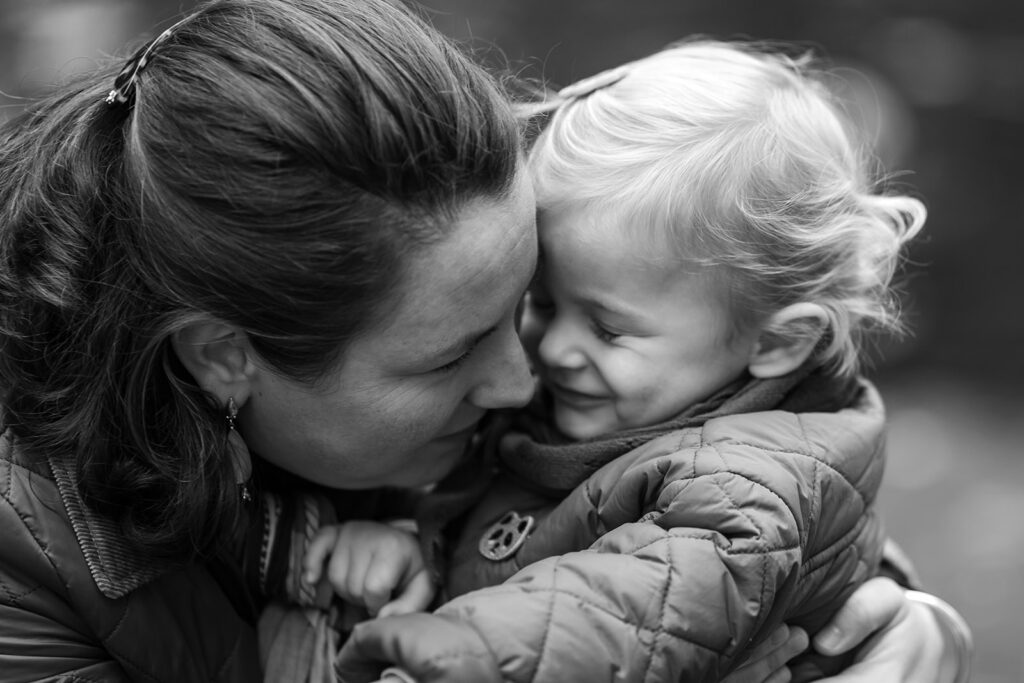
point(125, 81)
point(594, 83)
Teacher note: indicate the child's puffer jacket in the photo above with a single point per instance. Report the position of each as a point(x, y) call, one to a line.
point(698, 544)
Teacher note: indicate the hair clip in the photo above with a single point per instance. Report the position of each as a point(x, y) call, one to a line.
point(125, 81)
point(594, 83)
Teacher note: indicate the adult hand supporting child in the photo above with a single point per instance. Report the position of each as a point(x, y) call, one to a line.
point(899, 639)
point(887, 626)
point(767, 661)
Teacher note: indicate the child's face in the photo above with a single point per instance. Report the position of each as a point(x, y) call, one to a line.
point(618, 342)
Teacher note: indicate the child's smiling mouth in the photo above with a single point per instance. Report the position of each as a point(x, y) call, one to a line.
point(574, 397)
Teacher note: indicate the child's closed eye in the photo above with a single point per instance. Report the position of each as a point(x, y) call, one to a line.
point(603, 333)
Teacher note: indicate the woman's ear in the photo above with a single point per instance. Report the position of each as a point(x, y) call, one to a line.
point(786, 340)
point(218, 357)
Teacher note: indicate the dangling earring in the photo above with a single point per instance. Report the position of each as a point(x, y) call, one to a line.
point(239, 451)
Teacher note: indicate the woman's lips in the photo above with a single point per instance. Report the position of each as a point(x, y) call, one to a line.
point(463, 433)
point(465, 428)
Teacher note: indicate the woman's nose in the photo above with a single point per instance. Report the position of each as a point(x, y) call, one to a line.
point(508, 382)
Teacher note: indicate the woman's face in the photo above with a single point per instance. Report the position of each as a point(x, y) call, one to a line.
point(401, 406)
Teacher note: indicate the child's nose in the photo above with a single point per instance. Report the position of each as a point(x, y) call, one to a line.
point(559, 348)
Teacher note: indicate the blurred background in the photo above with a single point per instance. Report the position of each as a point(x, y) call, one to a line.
point(940, 86)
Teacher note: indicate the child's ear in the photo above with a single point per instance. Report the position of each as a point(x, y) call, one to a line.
point(218, 357)
point(787, 338)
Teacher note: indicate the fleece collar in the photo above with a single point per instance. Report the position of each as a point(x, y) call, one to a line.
point(539, 457)
point(117, 566)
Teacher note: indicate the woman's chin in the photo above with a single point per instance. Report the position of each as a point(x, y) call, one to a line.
point(437, 460)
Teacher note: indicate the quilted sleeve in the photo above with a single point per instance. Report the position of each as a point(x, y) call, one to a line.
point(42, 637)
point(31, 639)
point(676, 595)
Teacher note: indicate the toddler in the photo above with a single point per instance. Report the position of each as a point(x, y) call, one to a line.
point(702, 459)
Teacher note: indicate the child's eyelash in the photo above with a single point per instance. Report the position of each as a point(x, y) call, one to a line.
point(603, 334)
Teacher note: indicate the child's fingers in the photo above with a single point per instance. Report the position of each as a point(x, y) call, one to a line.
point(415, 597)
point(385, 574)
point(346, 570)
point(316, 554)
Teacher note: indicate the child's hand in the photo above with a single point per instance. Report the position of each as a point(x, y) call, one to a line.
point(369, 564)
point(423, 647)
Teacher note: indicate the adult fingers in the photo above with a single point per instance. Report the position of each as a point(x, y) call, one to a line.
point(767, 662)
point(875, 604)
point(909, 649)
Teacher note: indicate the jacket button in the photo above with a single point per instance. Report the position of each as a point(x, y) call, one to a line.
point(503, 538)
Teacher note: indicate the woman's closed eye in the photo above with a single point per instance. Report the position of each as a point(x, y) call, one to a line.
point(453, 365)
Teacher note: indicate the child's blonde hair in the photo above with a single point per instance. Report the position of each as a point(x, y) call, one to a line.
point(722, 154)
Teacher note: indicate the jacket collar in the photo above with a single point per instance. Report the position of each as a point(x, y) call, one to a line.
point(117, 567)
point(539, 457)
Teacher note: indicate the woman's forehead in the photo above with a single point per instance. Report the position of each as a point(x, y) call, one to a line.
point(467, 281)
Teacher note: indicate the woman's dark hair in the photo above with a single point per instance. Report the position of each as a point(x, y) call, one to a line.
point(273, 168)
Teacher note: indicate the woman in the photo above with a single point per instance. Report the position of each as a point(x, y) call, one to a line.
point(305, 219)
